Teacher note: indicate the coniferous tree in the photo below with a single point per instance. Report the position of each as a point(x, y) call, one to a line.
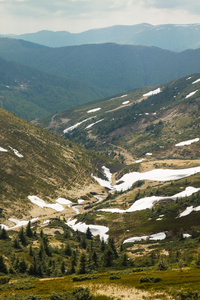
point(103, 246)
point(111, 243)
point(88, 234)
point(45, 242)
point(94, 258)
point(29, 231)
point(22, 236)
point(3, 234)
point(68, 250)
point(82, 264)
point(22, 265)
point(108, 257)
point(16, 243)
point(3, 267)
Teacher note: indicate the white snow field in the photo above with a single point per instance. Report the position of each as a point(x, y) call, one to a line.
point(191, 94)
point(195, 81)
point(93, 110)
point(41, 203)
point(3, 150)
point(18, 223)
point(188, 211)
point(95, 229)
point(153, 237)
point(139, 160)
point(91, 125)
point(186, 143)
point(126, 102)
point(148, 202)
point(64, 201)
point(154, 175)
point(151, 93)
point(105, 183)
point(16, 152)
point(74, 126)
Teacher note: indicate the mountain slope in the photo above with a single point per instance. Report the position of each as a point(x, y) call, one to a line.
point(31, 94)
point(37, 162)
point(111, 67)
point(171, 36)
point(137, 122)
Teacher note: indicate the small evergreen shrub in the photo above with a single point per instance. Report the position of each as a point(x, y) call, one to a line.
point(150, 279)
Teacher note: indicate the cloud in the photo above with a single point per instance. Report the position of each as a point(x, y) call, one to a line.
point(192, 6)
point(19, 16)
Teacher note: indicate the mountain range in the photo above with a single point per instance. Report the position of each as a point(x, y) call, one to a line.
point(109, 67)
point(106, 176)
point(172, 37)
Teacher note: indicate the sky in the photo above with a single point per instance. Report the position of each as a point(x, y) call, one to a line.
point(27, 16)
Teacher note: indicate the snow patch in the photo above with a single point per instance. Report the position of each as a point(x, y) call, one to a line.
point(64, 201)
point(189, 142)
point(139, 160)
point(191, 94)
point(16, 152)
point(41, 203)
point(74, 126)
point(95, 229)
point(89, 126)
point(125, 102)
point(148, 202)
point(188, 211)
point(3, 150)
point(196, 81)
point(151, 93)
point(153, 237)
point(18, 223)
point(93, 110)
point(80, 201)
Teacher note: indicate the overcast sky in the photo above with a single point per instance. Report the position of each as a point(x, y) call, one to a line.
point(23, 16)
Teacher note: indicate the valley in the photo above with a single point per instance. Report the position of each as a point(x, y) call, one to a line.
point(97, 196)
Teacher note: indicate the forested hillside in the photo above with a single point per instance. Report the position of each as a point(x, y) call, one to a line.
point(111, 67)
point(32, 94)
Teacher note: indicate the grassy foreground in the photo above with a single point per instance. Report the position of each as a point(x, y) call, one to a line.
point(175, 283)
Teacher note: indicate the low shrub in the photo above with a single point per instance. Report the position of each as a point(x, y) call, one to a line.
point(84, 277)
point(150, 279)
point(4, 279)
point(115, 277)
point(187, 295)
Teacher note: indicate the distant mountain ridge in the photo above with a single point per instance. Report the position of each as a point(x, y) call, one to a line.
point(111, 67)
point(173, 37)
point(32, 94)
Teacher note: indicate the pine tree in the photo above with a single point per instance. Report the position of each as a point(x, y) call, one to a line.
point(29, 231)
point(82, 264)
point(3, 234)
point(3, 267)
point(22, 237)
point(108, 257)
point(88, 234)
point(22, 265)
point(68, 250)
point(103, 245)
point(94, 258)
point(111, 243)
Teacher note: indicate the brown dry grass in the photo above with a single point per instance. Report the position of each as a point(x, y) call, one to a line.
point(120, 292)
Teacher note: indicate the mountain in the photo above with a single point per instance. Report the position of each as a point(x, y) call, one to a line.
point(111, 67)
point(99, 220)
point(172, 37)
point(37, 162)
point(145, 120)
point(32, 94)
